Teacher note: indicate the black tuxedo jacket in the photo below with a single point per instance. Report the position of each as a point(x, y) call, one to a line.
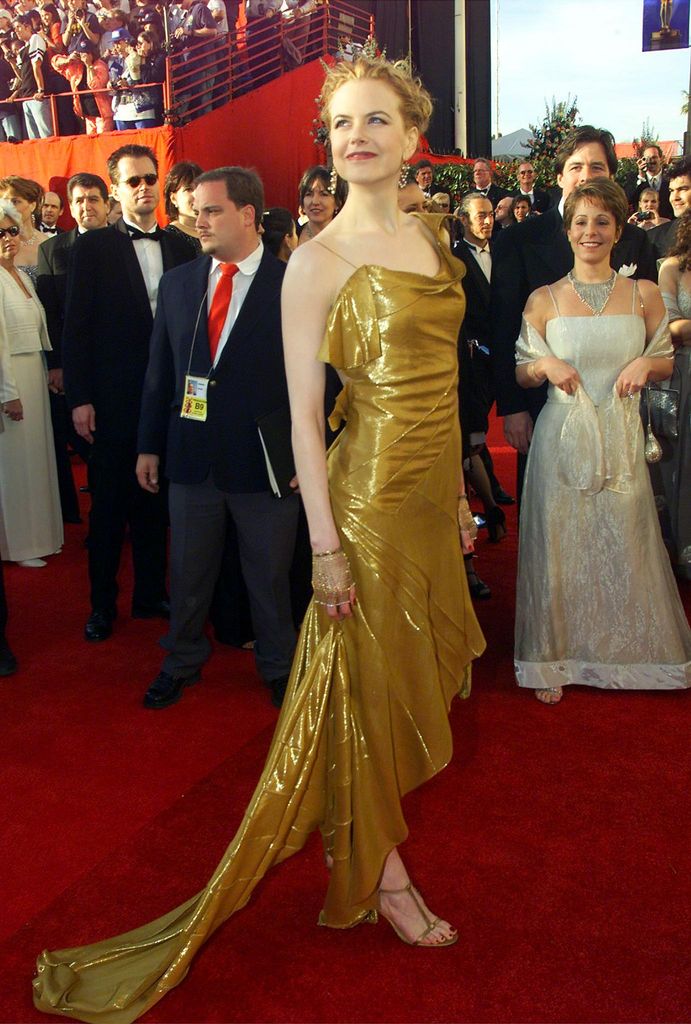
point(108, 325)
point(51, 285)
point(247, 383)
point(528, 256)
point(494, 194)
point(663, 238)
point(476, 322)
point(664, 207)
point(541, 200)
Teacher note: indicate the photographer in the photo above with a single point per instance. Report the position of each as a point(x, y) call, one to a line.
point(647, 215)
point(651, 175)
point(82, 26)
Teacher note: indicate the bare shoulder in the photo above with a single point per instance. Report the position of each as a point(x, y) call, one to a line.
point(648, 292)
point(539, 302)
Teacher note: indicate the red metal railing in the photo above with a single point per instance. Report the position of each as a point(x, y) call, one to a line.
point(212, 72)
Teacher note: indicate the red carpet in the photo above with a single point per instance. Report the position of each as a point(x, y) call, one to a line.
point(557, 840)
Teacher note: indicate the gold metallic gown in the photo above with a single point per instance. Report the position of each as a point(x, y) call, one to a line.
point(365, 715)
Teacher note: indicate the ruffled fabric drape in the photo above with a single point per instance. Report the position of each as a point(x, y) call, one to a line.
point(365, 715)
point(596, 599)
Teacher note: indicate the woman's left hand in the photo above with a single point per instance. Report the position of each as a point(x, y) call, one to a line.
point(13, 409)
point(633, 378)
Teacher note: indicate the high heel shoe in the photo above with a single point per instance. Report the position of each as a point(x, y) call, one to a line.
point(477, 587)
point(430, 925)
point(496, 524)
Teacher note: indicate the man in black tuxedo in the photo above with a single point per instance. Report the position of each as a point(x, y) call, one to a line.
point(482, 177)
point(539, 199)
point(112, 290)
point(663, 237)
point(651, 175)
point(216, 368)
point(51, 208)
point(87, 195)
point(537, 253)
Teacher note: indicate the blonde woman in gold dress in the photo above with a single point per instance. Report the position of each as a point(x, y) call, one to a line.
point(389, 638)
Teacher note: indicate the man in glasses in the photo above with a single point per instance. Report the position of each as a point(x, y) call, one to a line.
point(111, 300)
point(539, 199)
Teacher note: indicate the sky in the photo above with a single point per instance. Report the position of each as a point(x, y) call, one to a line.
point(590, 50)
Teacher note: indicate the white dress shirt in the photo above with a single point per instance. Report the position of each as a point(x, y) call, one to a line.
point(483, 257)
point(150, 259)
point(247, 268)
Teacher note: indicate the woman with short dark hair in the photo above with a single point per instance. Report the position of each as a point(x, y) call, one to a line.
point(319, 201)
point(178, 193)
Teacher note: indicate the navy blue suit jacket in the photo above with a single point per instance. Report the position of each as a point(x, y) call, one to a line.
point(247, 383)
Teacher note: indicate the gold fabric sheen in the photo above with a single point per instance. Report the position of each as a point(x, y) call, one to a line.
point(365, 717)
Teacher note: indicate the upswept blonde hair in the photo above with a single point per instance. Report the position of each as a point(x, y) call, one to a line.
point(415, 102)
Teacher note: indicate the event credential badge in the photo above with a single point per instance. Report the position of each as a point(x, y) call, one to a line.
point(194, 400)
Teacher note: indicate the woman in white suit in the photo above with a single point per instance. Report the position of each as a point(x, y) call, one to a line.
point(30, 519)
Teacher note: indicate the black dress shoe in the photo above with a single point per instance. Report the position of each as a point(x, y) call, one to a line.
point(160, 610)
point(166, 690)
point(99, 626)
point(8, 662)
point(278, 691)
point(502, 498)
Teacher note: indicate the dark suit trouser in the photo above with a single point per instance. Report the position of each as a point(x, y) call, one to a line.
point(62, 421)
point(117, 501)
point(266, 528)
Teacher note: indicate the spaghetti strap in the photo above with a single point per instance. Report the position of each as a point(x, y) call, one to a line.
point(334, 253)
point(636, 295)
point(554, 301)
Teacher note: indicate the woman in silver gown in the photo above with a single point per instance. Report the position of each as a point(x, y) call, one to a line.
point(675, 285)
point(597, 603)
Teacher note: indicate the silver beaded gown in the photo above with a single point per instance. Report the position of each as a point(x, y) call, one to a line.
point(597, 602)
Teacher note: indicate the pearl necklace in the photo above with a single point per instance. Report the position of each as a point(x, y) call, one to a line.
point(594, 295)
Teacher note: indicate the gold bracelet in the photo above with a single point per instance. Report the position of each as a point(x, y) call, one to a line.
point(466, 520)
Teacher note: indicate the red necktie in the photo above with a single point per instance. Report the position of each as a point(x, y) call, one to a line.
point(219, 306)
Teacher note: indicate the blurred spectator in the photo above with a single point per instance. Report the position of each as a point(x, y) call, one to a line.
point(647, 215)
point(198, 31)
point(539, 199)
point(263, 39)
point(110, 21)
point(663, 237)
point(651, 175)
point(145, 17)
point(279, 233)
point(10, 113)
point(87, 196)
point(52, 29)
point(29, 500)
point(482, 177)
point(219, 14)
point(178, 193)
point(675, 285)
point(82, 26)
point(424, 176)
point(522, 207)
point(26, 196)
point(152, 72)
point(51, 208)
point(88, 78)
point(411, 198)
point(37, 81)
point(503, 213)
point(317, 201)
point(132, 108)
point(440, 202)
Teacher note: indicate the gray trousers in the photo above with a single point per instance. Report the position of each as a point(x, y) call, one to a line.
point(266, 528)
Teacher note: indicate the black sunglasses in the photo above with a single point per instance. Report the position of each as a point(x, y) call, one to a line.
point(12, 232)
point(150, 179)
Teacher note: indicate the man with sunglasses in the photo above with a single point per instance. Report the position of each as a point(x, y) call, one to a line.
point(111, 300)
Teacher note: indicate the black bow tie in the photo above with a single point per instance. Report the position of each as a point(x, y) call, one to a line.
point(49, 231)
point(154, 236)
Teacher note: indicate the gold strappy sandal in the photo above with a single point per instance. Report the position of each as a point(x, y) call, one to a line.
point(429, 925)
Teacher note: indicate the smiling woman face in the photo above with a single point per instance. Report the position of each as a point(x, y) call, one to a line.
point(369, 139)
point(593, 232)
point(318, 205)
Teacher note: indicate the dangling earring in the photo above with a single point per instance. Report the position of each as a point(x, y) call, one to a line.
point(405, 171)
point(333, 181)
